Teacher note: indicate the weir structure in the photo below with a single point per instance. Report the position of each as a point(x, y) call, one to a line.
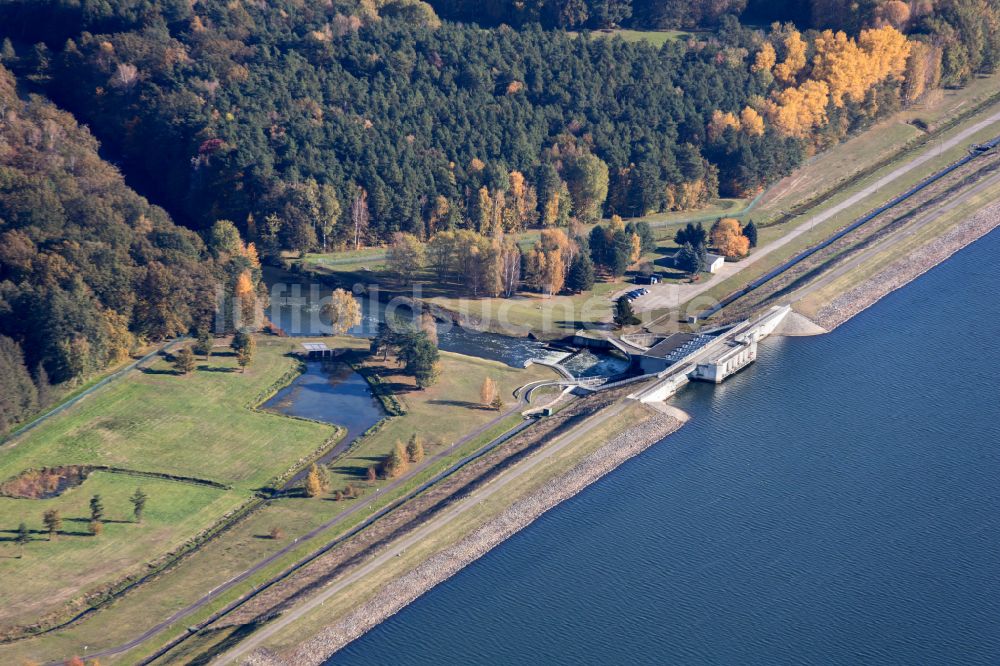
point(718, 359)
point(709, 356)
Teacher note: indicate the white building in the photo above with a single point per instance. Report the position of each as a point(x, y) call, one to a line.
point(738, 355)
point(713, 262)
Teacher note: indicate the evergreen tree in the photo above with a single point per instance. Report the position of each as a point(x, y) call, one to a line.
point(689, 259)
point(203, 344)
point(96, 509)
point(581, 273)
point(692, 234)
point(624, 314)
point(598, 246)
point(420, 357)
point(241, 340)
point(621, 253)
point(22, 538)
point(750, 231)
point(138, 500)
point(184, 361)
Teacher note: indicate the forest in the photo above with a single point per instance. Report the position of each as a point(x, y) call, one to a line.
point(316, 127)
point(312, 127)
point(88, 268)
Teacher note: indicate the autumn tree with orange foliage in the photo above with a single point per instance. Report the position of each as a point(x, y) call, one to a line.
point(798, 111)
point(795, 56)
point(728, 238)
point(853, 67)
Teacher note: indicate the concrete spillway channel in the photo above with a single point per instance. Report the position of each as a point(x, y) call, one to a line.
point(714, 362)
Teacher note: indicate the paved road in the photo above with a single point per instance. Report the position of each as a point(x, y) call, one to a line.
point(215, 592)
point(894, 239)
point(77, 398)
point(672, 296)
point(438, 522)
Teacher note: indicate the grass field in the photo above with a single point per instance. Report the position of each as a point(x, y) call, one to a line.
point(441, 414)
point(197, 425)
point(653, 37)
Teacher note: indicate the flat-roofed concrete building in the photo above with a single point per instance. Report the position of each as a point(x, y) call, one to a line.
point(316, 350)
point(666, 352)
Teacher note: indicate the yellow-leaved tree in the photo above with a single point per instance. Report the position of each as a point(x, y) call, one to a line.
point(751, 122)
point(765, 58)
point(343, 310)
point(728, 238)
point(795, 57)
point(797, 111)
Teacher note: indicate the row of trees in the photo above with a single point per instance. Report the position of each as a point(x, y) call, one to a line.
point(53, 521)
point(396, 463)
point(727, 236)
point(483, 266)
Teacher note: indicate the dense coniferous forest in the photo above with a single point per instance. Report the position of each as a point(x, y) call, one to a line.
point(329, 125)
point(326, 125)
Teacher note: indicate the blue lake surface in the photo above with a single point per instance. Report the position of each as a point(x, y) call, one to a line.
point(836, 503)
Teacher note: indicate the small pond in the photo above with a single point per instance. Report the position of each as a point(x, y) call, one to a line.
point(332, 393)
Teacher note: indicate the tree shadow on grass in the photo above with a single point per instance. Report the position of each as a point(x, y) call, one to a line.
point(214, 649)
point(153, 371)
point(360, 471)
point(107, 521)
point(460, 403)
point(212, 368)
point(577, 325)
point(399, 387)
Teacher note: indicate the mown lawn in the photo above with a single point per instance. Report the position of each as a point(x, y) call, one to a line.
point(199, 425)
point(51, 573)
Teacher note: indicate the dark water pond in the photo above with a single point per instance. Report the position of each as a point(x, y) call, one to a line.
point(332, 393)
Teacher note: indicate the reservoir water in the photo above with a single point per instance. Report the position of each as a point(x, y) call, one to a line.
point(836, 503)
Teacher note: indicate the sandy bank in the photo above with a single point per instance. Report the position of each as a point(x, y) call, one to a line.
point(908, 268)
point(445, 564)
